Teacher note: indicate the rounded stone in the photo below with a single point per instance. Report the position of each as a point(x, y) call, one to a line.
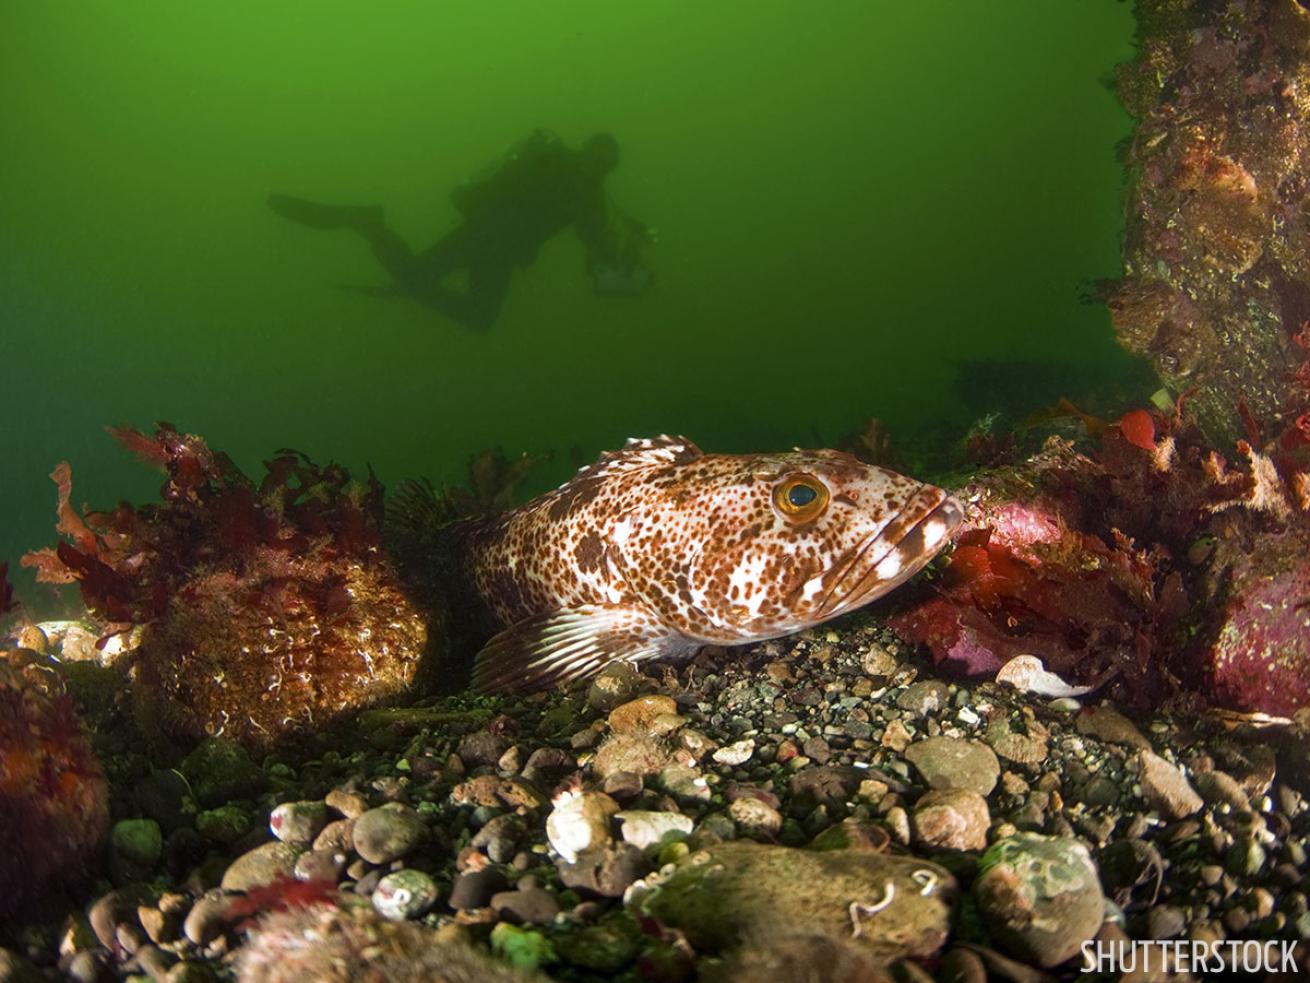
point(638, 716)
point(1165, 788)
point(754, 818)
point(260, 866)
point(404, 894)
point(1040, 896)
point(137, 842)
point(298, 822)
point(388, 833)
point(952, 819)
point(643, 828)
point(948, 762)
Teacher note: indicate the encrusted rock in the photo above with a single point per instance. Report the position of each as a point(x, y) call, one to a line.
point(889, 906)
point(1040, 896)
point(404, 894)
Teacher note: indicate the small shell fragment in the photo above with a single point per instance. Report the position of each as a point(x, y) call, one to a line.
point(1026, 672)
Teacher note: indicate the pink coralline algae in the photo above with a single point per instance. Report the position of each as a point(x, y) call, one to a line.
point(1153, 568)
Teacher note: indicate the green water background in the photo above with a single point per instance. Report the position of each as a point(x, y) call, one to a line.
point(854, 197)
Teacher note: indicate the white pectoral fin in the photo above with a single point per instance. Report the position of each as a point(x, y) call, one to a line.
point(570, 644)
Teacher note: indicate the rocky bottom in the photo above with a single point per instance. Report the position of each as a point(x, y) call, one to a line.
point(816, 808)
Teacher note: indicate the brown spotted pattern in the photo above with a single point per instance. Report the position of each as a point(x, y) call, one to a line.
point(699, 545)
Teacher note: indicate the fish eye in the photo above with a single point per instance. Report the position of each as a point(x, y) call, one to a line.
point(800, 497)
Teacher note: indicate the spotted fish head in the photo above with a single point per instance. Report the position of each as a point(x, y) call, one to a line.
point(791, 540)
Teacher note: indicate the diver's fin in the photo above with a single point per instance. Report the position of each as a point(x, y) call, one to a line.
point(570, 644)
point(317, 215)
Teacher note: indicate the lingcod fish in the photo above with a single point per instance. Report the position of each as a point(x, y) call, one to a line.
point(658, 549)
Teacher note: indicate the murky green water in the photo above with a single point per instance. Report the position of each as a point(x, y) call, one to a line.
point(853, 198)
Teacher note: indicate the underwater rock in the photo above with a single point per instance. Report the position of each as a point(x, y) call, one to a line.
point(1147, 566)
point(1260, 656)
point(1217, 242)
point(264, 609)
point(739, 891)
point(54, 800)
point(1040, 896)
point(353, 942)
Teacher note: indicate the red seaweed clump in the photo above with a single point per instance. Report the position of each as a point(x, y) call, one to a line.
point(265, 608)
point(1151, 566)
point(54, 800)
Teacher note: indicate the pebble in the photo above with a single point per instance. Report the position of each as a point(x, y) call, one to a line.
point(687, 785)
point(1164, 787)
point(638, 716)
point(206, 920)
point(1165, 922)
point(1040, 896)
point(607, 872)
point(898, 825)
point(952, 819)
point(949, 762)
point(260, 866)
point(499, 837)
point(352, 805)
point(475, 888)
point(548, 765)
point(897, 736)
point(877, 661)
point(1109, 725)
point(1218, 787)
point(644, 829)
point(530, 905)
point(298, 823)
point(388, 833)
point(337, 835)
point(755, 818)
point(482, 748)
point(579, 822)
point(135, 846)
point(622, 785)
point(737, 753)
point(924, 697)
point(638, 754)
point(614, 685)
point(320, 865)
point(404, 894)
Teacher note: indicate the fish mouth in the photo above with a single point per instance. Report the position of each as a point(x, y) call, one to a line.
point(896, 553)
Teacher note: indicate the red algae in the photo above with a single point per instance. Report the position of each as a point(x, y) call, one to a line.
point(1152, 567)
point(54, 808)
point(1138, 429)
point(264, 608)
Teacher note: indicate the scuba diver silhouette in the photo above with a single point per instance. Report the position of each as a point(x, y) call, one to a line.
point(540, 188)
